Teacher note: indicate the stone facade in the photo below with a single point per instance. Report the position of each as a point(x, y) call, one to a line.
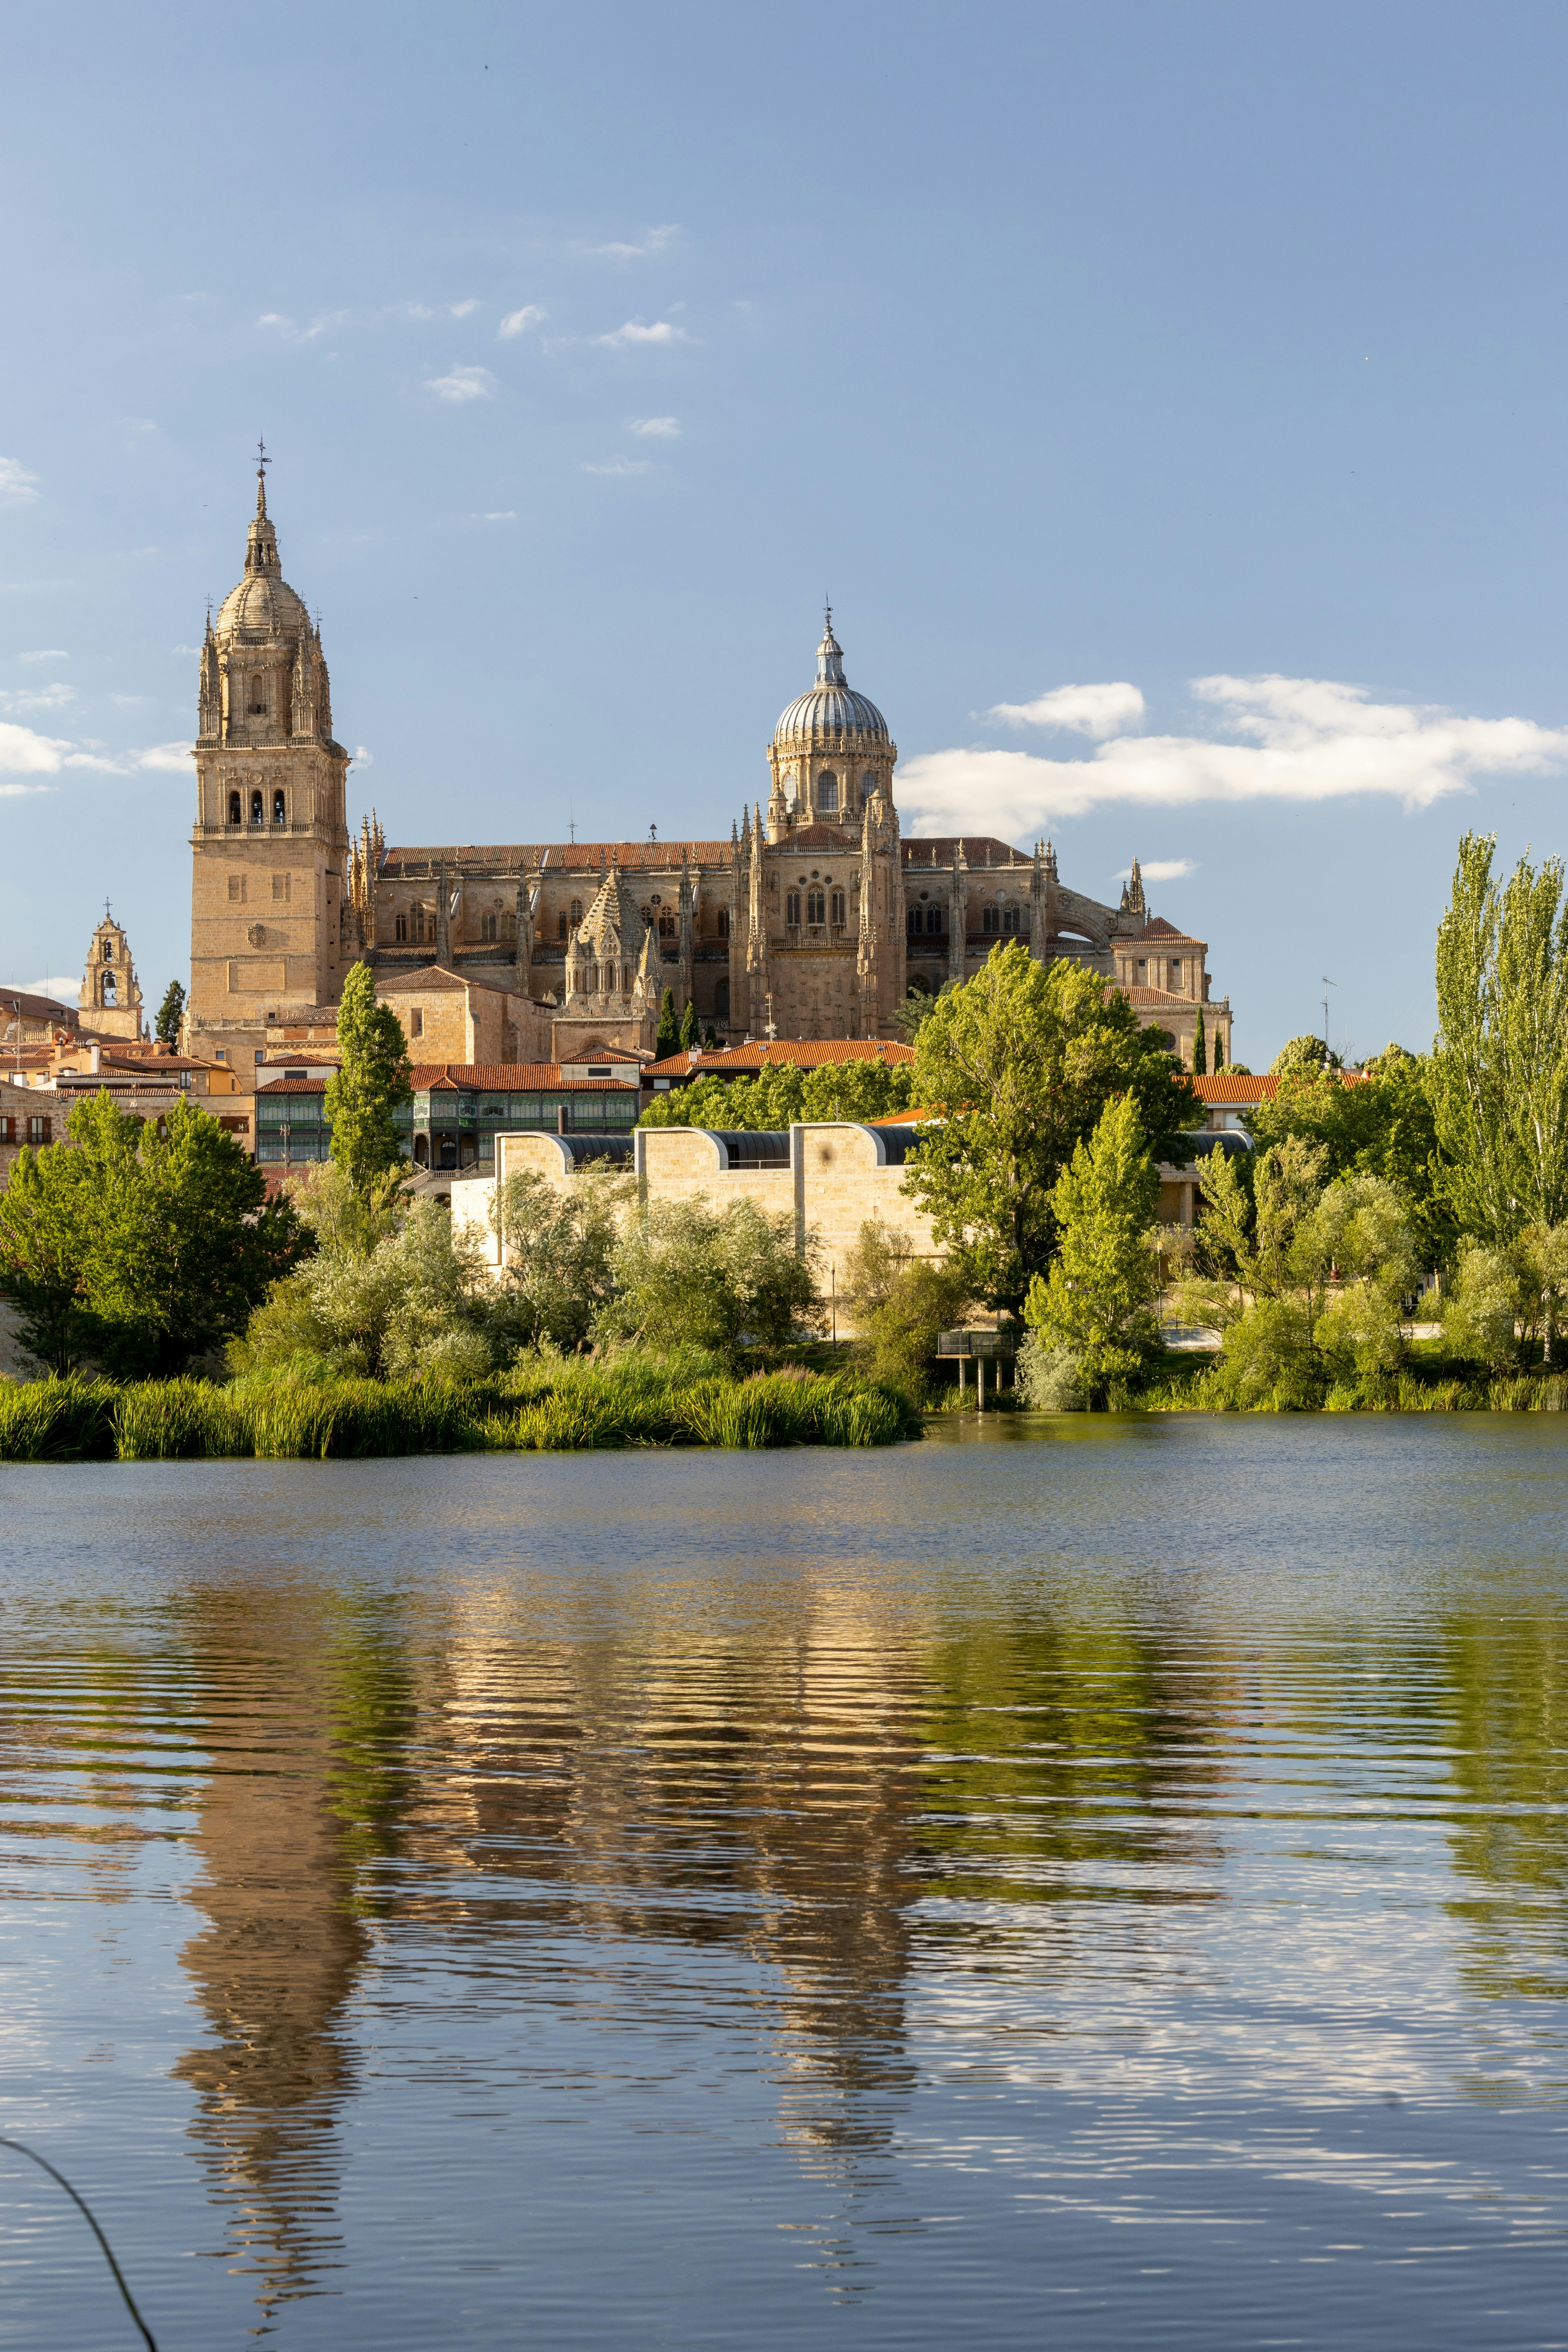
point(827, 1176)
point(814, 919)
point(111, 1003)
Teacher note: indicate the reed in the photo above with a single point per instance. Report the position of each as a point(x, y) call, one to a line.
point(549, 1405)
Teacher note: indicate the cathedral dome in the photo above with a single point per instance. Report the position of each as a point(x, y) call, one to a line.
point(263, 605)
point(831, 709)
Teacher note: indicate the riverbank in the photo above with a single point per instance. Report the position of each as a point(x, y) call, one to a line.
point(568, 1406)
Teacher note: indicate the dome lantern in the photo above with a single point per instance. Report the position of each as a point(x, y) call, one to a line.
point(831, 750)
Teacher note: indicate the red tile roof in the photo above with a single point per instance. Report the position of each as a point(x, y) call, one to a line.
point(1227, 1088)
point(565, 856)
point(1157, 927)
point(796, 1053)
point(981, 849)
point(502, 1078)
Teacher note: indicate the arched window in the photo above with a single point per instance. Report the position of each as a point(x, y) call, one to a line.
point(1009, 922)
point(256, 813)
point(560, 926)
point(666, 927)
point(816, 907)
point(111, 996)
point(400, 928)
point(576, 911)
point(419, 926)
point(912, 924)
point(258, 697)
point(839, 909)
point(792, 908)
point(593, 980)
point(234, 808)
point(868, 786)
point(934, 921)
point(486, 927)
point(991, 922)
point(723, 922)
point(827, 795)
point(109, 950)
point(279, 809)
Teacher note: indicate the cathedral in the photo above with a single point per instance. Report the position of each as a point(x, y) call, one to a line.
point(815, 919)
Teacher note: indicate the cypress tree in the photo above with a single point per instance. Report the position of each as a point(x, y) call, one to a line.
point(1200, 1049)
point(688, 1024)
point(1218, 1051)
point(668, 1036)
point(364, 1096)
point(171, 1013)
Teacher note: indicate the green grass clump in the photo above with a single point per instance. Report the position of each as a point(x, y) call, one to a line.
point(547, 1405)
point(70, 1419)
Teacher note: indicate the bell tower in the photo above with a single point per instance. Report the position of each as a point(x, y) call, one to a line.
point(110, 991)
point(270, 850)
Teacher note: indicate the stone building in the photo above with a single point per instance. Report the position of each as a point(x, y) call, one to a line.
point(111, 1002)
point(814, 919)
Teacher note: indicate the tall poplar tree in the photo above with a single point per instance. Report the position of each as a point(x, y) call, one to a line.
point(1200, 1049)
point(1498, 1074)
point(364, 1096)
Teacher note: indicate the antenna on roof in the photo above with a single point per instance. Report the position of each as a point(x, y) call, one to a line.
point(1328, 983)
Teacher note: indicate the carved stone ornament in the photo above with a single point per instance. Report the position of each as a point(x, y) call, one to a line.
point(256, 935)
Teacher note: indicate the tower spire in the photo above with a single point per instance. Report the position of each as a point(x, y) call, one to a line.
point(262, 462)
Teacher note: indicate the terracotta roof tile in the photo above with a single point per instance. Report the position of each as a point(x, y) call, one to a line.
point(797, 1053)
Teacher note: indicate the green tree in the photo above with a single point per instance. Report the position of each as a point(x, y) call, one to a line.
point(690, 1274)
point(782, 1093)
point(688, 1026)
point(418, 1302)
point(1200, 1049)
point(365, 1094)
point(1020, 1064)
point(1378, 1124)
point(1098, 1299)
point(899, 1302)
point(558, 1255)
point(171, 1013)
point(1218, 1051)
point(1309, 1052)
point(1500, 1064)
point(918, 1007)
point(668, 1036)
point(141, 1247)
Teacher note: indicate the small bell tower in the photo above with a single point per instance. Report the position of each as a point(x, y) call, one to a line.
point(110, 991)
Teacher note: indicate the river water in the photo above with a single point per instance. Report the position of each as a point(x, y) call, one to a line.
point(1082, 1884)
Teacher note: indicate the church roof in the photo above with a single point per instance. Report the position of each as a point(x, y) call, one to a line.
point(831, 709)
point(979, 849)
point(1167, 934)
point(575, 857)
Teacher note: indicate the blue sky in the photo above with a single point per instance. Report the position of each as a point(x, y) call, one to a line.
point(1209, 357)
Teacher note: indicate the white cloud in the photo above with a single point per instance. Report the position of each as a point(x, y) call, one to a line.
point(25, 754)
point(17, 486)
point(64, 987)
point(138, 425)
point(635, 332)
point(1160, 869)
point(1302, 739)
point(618, 465)
point(292, 333)
point(464, 384)
point(1096, 711)
point(463, 309)
point(655, 240)
point(42, 698)
point(362, 757)
point(501, 514)
point(50, 653)
point(184, 651)
point(654, 428)
point(518, 323)
point(167, 759)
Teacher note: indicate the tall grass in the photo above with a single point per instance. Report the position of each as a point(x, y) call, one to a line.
point(549, 1405)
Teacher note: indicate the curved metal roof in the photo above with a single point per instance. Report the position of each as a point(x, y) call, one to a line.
point(831, 709)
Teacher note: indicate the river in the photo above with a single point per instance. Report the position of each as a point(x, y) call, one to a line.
point(1089, 1884)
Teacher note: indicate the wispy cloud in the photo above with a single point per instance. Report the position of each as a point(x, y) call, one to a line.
point(50, 653)
point(1272, 738)
point(518, 323)
point(1096, 711)
point(64, 987)
point(17, 486)
point(184, 652)
point(463, 383)
point(500, 514)
point(652, 241)
point(618, 465)
point(654, 428)
point(1159, 869)
point(362, 757)
point(463, 309)
point(636, 331)
point(167, 759)
point(37, 698)
point(292, 333)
